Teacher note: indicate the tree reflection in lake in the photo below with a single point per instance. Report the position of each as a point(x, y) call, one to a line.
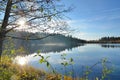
point(110, 45)
point(50, 47)
point(45, 47)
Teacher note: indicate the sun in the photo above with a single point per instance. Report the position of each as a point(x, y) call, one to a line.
point(21, 21)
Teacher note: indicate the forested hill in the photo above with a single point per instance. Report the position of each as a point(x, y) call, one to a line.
point(52, 42)
point(44, 38)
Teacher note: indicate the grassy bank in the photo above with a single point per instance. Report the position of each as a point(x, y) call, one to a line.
point(11, 71)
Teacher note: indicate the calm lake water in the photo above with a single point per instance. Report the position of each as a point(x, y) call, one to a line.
point(83, 56)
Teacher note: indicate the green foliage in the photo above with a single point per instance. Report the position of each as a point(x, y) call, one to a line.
point(11, 71)
point(14, 6)
point(5, 72)
point(67, 62)
point(44, 60)
point(106, 70)
point(10, 49)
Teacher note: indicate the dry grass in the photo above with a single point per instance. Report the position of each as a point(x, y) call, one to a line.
point(12, 71)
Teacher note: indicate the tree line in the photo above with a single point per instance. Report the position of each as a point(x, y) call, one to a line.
point(110, 39)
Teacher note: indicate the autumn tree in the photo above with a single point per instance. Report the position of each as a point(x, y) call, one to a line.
point(31, 16)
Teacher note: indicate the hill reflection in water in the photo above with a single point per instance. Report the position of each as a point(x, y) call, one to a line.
point(50, 47)
point(52, 43)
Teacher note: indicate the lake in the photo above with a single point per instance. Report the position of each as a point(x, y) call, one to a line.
point(84, 57)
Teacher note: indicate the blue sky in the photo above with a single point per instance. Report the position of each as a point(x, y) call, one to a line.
point(93, 19)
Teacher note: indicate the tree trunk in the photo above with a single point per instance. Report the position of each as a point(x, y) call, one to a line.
point(4, 24)
point(1, 46)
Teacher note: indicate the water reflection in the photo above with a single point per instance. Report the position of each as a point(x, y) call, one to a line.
point(50, 47)
point(20, 60)
point(110, 45)
point(83, 56)
point(57, 47)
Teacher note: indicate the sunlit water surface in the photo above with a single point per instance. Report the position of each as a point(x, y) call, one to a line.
point(83, 56)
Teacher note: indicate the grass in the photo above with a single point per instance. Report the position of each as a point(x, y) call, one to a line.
point(13, 71)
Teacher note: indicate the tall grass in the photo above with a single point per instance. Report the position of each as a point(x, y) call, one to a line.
point(11, 71)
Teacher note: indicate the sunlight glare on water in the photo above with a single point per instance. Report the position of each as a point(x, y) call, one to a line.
point(21, 60)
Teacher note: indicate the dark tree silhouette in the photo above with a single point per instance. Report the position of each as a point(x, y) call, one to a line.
point(110, 39)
